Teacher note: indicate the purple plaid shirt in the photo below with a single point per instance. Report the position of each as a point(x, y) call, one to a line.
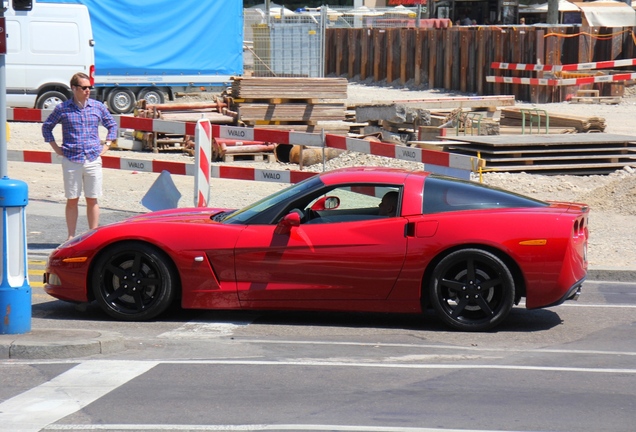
point(80, 129)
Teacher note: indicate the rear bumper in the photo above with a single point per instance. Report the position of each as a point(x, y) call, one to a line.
point(572, 294)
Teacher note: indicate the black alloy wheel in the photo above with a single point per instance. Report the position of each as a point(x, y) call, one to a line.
point(472, 290)
point(134, 281)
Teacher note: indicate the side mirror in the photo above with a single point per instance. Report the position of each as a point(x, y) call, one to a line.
point(288, 221)
point(326, 203)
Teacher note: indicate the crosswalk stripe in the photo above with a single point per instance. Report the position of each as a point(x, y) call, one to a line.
point(40, 406)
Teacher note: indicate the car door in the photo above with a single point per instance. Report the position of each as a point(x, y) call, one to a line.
point(352, 256)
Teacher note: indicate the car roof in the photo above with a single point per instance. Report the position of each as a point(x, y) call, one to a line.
point(369, 174)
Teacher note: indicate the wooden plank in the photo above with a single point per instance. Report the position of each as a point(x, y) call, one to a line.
point(448, 57)
point(404, 57)
point(547, 140)
point(432, 46)
point(339, 48)
point(559, 168)
point(417, 61)
point(519, 152)
point(563, 158)
point(378, 49)
point(365, 44)
point(291, 112)
point(289, 88)
point(391, 54)
point(463, 56)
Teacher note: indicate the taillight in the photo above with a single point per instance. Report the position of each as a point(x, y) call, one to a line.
point(91, 75)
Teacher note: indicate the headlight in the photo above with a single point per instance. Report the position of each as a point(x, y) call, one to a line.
point(75, 240)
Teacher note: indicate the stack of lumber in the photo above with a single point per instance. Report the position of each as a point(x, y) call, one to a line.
point(289, 88)
point(585, 154)
point(513, 117)
point(290, 112)
point(289, 102)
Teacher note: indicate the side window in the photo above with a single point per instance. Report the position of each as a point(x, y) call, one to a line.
point(445, 195)
point(22, 5)
point(358, 202)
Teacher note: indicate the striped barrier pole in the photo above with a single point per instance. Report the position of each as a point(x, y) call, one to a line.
point(202, 160)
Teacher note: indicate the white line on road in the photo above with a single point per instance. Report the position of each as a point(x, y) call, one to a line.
point(441, 347)
point(67, 393)
point(403, 365)
point(255, 427)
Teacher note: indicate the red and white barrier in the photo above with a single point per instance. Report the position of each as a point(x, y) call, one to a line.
point(202, 160)
point(27, 114)
point(564, 81)
point(176, 168)
point(566, 67)
point(435, 161)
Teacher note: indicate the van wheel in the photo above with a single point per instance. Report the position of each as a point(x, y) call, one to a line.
point(152, 95)
point(121, 100)
point(50, 99)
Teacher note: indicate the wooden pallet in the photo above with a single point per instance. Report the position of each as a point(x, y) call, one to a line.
point(609, 100)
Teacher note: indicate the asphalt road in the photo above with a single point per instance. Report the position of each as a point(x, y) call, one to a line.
point(567, 368)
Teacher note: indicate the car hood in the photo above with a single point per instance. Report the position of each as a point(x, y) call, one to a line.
point(179, 214)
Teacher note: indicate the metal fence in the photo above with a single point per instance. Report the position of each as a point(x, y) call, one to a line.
point(287, 43)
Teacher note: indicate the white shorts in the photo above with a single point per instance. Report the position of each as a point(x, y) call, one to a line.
point(87, 175)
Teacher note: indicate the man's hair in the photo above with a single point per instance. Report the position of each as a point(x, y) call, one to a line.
point(75, 79)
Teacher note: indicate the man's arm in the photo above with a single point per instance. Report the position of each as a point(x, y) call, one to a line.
point(109, 123)
point(47, 130)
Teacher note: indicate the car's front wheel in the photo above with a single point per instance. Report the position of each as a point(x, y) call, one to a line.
point(134, 281)
point(472, 290)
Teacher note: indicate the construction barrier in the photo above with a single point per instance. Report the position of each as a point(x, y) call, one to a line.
point(563, 82)
point(566, 67)
point(202, 160)
point(176, 168)
point(435, 161)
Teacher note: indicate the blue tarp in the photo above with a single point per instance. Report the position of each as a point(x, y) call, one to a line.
point(166, 37)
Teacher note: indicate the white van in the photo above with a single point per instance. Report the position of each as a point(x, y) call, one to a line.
point(46, 44)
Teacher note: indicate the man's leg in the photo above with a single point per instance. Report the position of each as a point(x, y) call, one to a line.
point(92, 212)
point(71, 216)
point(92, 190)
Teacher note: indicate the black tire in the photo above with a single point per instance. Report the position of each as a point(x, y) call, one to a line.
point(134, 281)
point(49, 99)
point(152, 95)
point(121, 100)
point(472, 290)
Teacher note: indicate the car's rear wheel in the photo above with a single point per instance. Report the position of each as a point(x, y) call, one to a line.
point(134, 281)
point(472, 290)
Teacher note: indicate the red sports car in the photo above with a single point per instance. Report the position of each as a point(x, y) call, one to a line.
point(355, 239)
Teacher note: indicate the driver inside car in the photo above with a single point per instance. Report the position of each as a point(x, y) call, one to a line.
point(388, 205)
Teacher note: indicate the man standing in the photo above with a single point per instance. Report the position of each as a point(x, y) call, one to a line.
point(81, 148)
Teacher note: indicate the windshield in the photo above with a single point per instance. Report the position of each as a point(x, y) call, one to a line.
point(243, 215)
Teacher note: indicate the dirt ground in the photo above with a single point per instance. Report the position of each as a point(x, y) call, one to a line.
point(612, 197)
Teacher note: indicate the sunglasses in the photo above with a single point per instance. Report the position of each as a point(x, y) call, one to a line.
point(85, 87)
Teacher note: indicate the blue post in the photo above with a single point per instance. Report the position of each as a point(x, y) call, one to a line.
point(15, 292)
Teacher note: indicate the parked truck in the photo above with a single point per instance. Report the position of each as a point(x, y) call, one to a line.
point(153, 49)
point(46, 44)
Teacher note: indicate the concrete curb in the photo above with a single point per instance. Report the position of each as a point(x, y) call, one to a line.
point(59, 344)
point(612, 274)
